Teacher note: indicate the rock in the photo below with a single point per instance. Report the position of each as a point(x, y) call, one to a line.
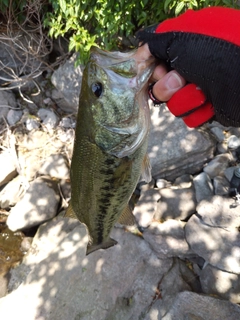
point(146, 206)
point(218, 133)
point(203, 186)
point(217, 166)
point(3, 284)
point(216, 282)
point(221, 186)
point(162, 183)
point(192, 306)
point(119, 285)
point(7, 162)
point(32, 124)
point(14, 116)
point(233, 142)
point(67, 79)
point(172, 144)
point(229, 173)
point(39, 204)
point(48, 117)
point(67, 122)
point(55, 166)
point(176, 204)
point(184, 181)
point(222, 147)
point(8, 100)
point(62, 103)
point(213, 230)
point(168, 239)
point(184, 280)
point(11, 193)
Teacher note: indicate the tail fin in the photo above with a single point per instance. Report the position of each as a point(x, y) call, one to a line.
point(104, 245)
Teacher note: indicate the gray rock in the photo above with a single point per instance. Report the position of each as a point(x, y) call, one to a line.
point(192, 306)
point(218, 133)
point(184, 181)
point(182, 278)
point(222, 147)
point(55, 166)
point(48, 117)
point(233, 142)
point(8, 171)
point(176, 204)
point(7, 99)
point(216, 282)
point(203, 186)
point(39, 204)
point(174, 149)
point(102, 284)
point(229, 173)
point(67, 79)
point(32, 124)
point(11, 193)
point(213, 233)
point(168, 239)
point(217, 166)
point(62, 103)
point(14, 116)
point(221, 186)
point(146, 207)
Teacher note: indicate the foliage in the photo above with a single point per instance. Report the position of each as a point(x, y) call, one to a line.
point(104, 23)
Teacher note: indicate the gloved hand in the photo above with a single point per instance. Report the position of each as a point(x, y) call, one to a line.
point(204, 47)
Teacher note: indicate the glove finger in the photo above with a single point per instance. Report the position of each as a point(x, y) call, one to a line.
point(191, 104)
point(200, 116)
point(186, 100)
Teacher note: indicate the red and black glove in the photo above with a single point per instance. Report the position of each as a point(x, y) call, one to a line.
point(204, 47)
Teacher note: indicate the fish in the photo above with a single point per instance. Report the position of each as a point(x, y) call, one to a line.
point(110, 147)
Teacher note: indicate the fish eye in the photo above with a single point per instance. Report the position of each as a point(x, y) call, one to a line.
point(97, 89)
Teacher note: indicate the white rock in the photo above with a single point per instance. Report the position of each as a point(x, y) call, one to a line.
point(39, 204)
point(11, 193)
point(55, 166)
point(146, 206)
point(203, 186)
point(222, 284)
point(217, 166)
point(107, 284)
point(48, 117)
point(32, 124)
point(167, 239)
point(8, 168)
point(233, 142)
point(213, 230)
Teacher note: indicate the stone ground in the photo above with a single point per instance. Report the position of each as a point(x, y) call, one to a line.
point(184, 265)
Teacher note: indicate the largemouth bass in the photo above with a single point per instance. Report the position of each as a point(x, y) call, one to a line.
point(110, 142)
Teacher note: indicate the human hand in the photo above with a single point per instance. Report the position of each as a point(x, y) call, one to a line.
point(204, 48)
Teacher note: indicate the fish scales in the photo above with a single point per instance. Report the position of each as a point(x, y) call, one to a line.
point(110, 142)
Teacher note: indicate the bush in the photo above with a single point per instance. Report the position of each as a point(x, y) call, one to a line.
point(105, 22)
point(100, 22)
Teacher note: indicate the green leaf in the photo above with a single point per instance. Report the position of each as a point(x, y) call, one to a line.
point(179, 8)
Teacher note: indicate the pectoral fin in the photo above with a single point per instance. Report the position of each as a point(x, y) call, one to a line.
point(127, 218)
point(70, 213)
point(146, 169)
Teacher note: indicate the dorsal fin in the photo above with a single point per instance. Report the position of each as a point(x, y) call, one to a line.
point(127, 217)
